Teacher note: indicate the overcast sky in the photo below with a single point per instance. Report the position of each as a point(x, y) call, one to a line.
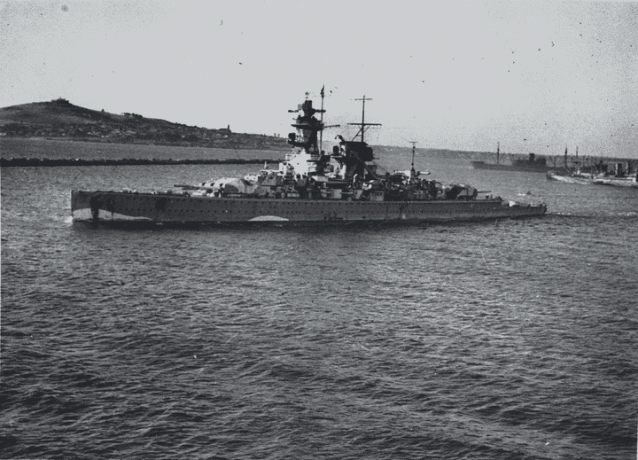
point(534, 76)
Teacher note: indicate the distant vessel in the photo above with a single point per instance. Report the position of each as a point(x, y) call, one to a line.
point(309, 187)
point(531, 164)
point(598, 175)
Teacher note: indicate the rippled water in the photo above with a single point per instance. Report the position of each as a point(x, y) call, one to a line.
point(507, 339)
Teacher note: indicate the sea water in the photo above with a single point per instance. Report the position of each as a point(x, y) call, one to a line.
point(502, 339)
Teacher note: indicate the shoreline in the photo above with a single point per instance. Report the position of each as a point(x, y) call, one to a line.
point(241, 142)
point(34, 162)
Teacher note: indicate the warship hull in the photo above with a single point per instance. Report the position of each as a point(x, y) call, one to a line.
point(114, 207)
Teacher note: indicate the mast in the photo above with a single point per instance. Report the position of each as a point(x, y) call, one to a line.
point(321, 122)
point(363, 114)
point(498, 152)
point(412, 170)
point(363, 117)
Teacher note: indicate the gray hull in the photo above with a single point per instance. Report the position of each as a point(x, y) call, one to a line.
point(111, 207)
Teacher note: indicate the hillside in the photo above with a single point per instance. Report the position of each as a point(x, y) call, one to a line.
point(59, 119)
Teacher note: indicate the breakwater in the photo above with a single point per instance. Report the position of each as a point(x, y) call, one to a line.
point(25, 162)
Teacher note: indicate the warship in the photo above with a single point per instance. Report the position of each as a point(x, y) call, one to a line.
point(309, 187)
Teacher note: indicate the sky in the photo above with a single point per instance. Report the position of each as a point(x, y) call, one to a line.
point(462, 75)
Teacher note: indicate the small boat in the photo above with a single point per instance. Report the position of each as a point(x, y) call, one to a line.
point(310, 187)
